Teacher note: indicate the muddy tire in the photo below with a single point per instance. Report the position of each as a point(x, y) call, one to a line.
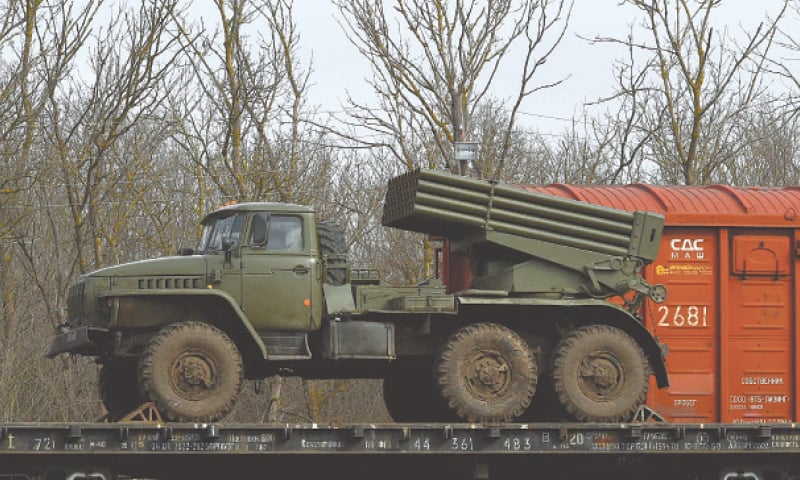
point(600, 374)
point(119, 388)
point(486, 374)
point(410, 394)
point(192, 371)
point(332, 242)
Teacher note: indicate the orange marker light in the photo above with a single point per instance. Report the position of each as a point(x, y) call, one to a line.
point(307, 302)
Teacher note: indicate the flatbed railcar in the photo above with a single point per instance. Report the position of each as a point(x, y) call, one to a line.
point(102, 451)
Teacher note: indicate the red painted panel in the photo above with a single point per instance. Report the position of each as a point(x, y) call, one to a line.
point(692, 395)
point(760, 306)
point(760, 381)
point(687, 322)
point(758, 372)
point(761, 255)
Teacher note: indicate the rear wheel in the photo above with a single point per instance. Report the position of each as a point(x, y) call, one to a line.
point(119, 389)
point(192, 371)
point(600, 374)
point(487, 373)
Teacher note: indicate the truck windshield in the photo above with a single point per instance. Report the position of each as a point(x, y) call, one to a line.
point(227, 227)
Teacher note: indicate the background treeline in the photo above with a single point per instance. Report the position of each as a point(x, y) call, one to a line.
point(122, 123)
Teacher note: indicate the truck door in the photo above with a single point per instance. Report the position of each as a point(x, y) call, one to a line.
point(224, 267)
point(278, 273)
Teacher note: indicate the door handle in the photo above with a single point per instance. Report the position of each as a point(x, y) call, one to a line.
point(300, 269)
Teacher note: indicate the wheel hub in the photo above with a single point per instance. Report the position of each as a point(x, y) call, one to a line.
point(601, 374)
point(192, 375)
point(487, 374)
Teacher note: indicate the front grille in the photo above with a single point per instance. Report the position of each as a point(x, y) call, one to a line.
point(170, 283)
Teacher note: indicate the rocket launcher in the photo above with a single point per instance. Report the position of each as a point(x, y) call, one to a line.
point(528, 243)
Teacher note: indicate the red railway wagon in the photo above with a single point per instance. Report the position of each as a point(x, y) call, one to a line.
point(729, 258)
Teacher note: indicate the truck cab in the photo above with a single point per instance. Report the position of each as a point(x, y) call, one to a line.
point(233, 308)
point(266, 257)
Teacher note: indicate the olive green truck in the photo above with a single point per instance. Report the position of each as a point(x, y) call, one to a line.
point(269, 291)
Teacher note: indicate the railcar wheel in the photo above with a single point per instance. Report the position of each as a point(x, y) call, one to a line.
point(192, 371)
point(600, 374)
point(487, 373)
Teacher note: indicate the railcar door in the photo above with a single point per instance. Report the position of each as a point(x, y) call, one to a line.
point(758, 372)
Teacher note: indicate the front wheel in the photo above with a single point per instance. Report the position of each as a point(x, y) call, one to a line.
point(192, 371)
point(600, 374)
point(487, 373)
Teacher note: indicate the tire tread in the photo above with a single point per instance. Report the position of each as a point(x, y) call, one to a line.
point(147, 369)
point(572, 341)
point(448, 357)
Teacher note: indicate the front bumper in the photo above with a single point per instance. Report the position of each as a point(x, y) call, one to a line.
point(82, 341)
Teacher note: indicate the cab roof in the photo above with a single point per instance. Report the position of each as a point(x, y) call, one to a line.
point(272, 207)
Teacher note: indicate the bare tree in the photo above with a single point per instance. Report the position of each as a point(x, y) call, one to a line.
point(698, 82)
point(93, 167)
point(772, 150)
point(132, 66)
point(785, 66)
point(434, 62)
point(43, 39)
point(39, 42)
point(244, 128)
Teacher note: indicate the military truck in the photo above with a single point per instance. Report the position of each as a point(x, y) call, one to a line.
point(269, 290)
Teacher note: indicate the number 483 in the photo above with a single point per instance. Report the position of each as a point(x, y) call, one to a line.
point(682, 316)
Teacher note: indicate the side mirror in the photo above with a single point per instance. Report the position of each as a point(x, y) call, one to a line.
point(185, 251)
point(228, 246)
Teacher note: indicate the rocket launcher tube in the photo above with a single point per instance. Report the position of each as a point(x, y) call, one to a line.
point(511, 220)
point(454, 207)
point(594, 221)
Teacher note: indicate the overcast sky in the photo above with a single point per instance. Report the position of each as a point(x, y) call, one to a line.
point(338, 67)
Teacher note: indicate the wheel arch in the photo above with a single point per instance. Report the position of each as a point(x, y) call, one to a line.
point(215, 307)
point(613, 316)
point(577, 312)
